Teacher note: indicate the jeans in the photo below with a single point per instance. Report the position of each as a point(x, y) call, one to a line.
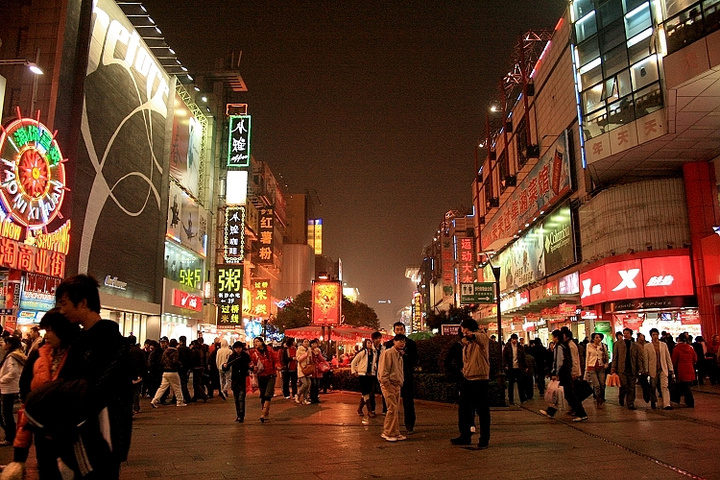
point(239, 395)
point(597, 378)
point(514, 375)
point(184, 377)
point(475, 400)
point(304, 389)
point(8, 401)
point(315, 390)
point(367, 390)
point(289, 382)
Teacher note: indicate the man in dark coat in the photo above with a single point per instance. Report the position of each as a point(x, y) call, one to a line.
point(627, 362)
point(239, 364)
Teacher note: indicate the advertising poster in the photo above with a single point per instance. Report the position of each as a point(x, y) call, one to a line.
point(187, 222)
point(266, 230)
point(545, 249)
point(120, 187)
point(261, 297)
point(545, 185)
point(326, 303)
point(185, 149)
point(229, 295)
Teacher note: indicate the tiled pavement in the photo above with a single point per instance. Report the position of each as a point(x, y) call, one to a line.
point(330, 441)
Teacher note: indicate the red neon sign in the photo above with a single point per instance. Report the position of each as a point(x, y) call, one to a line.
point(650, 277)
point(187, 300)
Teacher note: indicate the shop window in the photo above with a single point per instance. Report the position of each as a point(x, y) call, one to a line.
point(638, 20)
point(595, 124)
point(588, 51)
point(581, 8)
point(585, 28)
point(614, 61)
point(609, 12)
point(612, 37)
point(592, 98)
point(648, 100)
point(644, 72)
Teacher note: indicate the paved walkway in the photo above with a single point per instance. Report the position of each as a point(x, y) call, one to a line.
point(330, 441)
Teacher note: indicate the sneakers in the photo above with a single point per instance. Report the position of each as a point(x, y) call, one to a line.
point(286, 398)
point(154, 404)
point(182, 405)
point(579, 419)
point(306, 402)
point(544, 412)
point(461, 440)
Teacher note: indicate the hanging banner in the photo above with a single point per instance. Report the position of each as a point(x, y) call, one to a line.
point(238, 141)
point(260, 289)
point(265, 236)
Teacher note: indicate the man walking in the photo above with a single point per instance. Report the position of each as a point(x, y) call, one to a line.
point(171, 377)
point(627, 363)
point(659, 366)
point(100, 358)
point(515, 368)
point(391, 376)
point(185, 357)
point(475, 385)
point(562, 371)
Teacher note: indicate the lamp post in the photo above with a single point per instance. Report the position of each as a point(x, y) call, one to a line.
point(501, 373)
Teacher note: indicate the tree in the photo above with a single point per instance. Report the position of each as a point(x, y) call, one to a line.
point(452, 316)
point(298, 313)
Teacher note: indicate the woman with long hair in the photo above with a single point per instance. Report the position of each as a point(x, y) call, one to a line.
point(265, 368)
point(10, 370)
point(318, 360)
point(364, 365)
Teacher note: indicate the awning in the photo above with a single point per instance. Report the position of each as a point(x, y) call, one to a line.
point(343, 333)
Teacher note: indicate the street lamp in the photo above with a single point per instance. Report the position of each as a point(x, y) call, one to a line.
point(32, 66)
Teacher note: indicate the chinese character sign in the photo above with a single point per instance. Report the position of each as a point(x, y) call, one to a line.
point(234, 239)
point(239, 141)
point(229, 291)
point(267, 221)
point(260, 289)
point(326, 303)
point(465, 259)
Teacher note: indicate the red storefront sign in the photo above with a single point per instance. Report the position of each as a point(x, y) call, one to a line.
point(649, 277)
point(28, 258)
point(187, 300)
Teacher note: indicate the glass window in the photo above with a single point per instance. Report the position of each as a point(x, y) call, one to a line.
point(639, 51)
point(595, 124)
point(609, 12)
point(617, 86)
point(585, 27)
point(638, 20)
point(588, 51)
point(591, 76)
point(592, 98)
point(631, 5)
point(644, 72)
point(612, 36)
point(621, 112)
point(614, 61)
point(582, 8)
point(648, 100)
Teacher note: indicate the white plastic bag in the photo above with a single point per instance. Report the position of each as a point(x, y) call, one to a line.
point(553, 392)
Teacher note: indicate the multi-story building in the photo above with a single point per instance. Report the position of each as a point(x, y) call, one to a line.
point(597, 197)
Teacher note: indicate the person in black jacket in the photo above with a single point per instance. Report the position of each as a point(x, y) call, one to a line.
point(199, 363)
point(407, 391)
point(515, 367)
point(185, 365)
point(539, 353)
point(239, 364)
point(137, 363)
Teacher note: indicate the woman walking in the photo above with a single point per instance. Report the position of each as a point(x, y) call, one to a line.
point(596, 363)
point(265, 368)
point(318, 360)
point(684, 359)
point(304, 365)
point(238, 365)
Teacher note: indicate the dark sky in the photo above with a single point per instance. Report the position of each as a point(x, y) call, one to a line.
point(376, 105)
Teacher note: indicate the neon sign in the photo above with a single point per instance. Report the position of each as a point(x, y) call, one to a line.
point(32, 174)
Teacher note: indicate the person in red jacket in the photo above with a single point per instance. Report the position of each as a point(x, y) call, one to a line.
point(684, 359)
point(265, 367)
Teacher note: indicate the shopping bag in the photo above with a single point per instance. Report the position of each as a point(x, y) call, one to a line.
point(613, 380)
point(583, 389)
point(551, 392)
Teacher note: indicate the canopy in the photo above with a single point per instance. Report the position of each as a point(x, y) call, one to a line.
point(344, 333)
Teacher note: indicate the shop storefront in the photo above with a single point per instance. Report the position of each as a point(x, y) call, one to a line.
point(640, 292)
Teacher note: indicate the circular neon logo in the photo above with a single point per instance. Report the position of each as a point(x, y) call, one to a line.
point(32, 175)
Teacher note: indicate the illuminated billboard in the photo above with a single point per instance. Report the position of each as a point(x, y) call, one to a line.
point(186, 152)
point(265, 236)
point(238, 141)
point(326, 303)
point(234, 235)
point(186, 223)
point(260, 288)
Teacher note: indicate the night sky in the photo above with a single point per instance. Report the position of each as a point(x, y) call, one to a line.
point(376, 105)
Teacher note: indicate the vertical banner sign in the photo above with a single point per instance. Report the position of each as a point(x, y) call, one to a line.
point(234, 239)
point(261, 297)
point(267, 220)
point(239, 141)
point(447, 267)
point(466, 259)
point(326, 303)
point(229, 290)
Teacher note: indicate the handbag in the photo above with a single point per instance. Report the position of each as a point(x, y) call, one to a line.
point(324, 367)
point(308, 369)
point(583, 389)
